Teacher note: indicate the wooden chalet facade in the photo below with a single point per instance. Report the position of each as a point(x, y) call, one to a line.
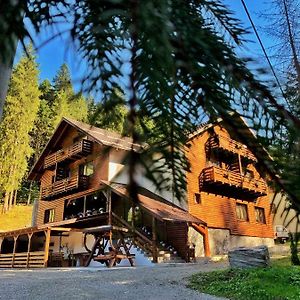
point(83, 180)
point(83, 183)
point(226, 190)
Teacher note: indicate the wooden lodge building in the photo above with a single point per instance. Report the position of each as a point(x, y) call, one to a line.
point(83, 179)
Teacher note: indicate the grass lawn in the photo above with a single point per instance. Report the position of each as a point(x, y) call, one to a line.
point(280, 281)
point(18, 217)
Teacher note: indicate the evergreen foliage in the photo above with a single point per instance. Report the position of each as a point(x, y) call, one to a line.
point(20, 112)
point(179, 69)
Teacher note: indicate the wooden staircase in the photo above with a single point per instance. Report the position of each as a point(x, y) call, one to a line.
point(154, 252)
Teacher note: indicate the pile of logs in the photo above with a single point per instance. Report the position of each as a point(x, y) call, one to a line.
point(249, 257)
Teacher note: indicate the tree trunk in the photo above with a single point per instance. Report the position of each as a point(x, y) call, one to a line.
point(29, 193)
point(6, 202)
point(11, 196)
point(6, 63)
point(15, 198)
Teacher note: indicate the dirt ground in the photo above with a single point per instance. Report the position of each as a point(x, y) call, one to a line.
point(157, 282)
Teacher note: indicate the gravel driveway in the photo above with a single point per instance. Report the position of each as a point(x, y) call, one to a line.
point(158, 282)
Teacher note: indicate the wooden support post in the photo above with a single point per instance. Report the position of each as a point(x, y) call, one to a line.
point(84, 205)
point(14, 251)
point(204, 233)
point(240, 164)
point(28, 249)
point(47, 245)
point(109, 207)
point(1, 241)
point(154, 240)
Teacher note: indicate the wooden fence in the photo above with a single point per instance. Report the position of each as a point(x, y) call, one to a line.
point(34, 259)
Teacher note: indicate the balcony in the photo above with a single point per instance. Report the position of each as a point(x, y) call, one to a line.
point(220, 142)
point(231, 184)
point(74, 152)
point(64, 186)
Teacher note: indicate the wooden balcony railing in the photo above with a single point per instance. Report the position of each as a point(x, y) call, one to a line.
point(74, 152)
point(64, 186)
point(217, 175)
point(228, 144)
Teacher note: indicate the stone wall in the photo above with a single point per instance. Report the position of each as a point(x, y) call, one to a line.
point(220, 241)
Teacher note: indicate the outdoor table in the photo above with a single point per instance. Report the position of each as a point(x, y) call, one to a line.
point(103, 236)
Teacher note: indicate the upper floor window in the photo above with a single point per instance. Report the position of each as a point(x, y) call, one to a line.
point(197, 198)
point(242, 212)
point(49, 215)
point(87, 169)
point(260, 215)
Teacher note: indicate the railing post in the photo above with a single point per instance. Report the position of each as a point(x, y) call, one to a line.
point(154, 239)
point(14, 251)
point(28, 249)
point(47, 245)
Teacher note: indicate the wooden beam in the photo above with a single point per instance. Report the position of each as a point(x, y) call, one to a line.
point(14, 250)
point(154, 239)
point(108, 197)
point(1, 241)
point(62, 229)
point(47, 245)
point(28, 249)
point(204, 232)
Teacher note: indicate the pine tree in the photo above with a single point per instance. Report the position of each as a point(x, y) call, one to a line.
point(65, 102)
point(62, 81)
point(20, 111)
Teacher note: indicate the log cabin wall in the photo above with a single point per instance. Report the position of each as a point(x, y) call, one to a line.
point(177, 236)
point(220, 211)
point(100, 160)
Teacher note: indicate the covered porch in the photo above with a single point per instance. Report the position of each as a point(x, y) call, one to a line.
point(28, 247)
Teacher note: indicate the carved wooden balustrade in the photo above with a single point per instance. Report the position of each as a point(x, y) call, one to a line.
point(64, 186)
point(218, 176)
point(74, 152)
point(228, 144)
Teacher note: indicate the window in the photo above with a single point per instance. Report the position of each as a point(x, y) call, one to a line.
point(87, 169)
point(260, 215)
point(197, 198)
point(49, 215)
point(242, 212)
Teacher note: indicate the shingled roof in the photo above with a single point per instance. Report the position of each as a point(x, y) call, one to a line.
point(156, 205)
point(101, 136)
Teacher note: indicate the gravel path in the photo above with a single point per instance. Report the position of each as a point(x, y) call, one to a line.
point(153, 283)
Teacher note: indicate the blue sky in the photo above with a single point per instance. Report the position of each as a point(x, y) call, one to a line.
point(51, 56)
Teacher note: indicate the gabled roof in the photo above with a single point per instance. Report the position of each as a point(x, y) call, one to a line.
point(101, 136)
point(240, 131)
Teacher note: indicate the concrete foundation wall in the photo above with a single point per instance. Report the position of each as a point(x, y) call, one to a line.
point(196, 239)
point(220, 241)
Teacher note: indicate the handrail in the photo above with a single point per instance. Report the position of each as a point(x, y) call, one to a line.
point(130, 227)
point(62, 185)
point(60, 155)
point(231, 145)
point(215, 173)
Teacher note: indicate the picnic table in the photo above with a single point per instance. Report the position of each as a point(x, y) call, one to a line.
point(111, 238)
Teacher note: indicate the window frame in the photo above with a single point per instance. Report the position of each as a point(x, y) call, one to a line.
point(199, 200)
point(246, 210)
point(49, 215)
point(261, 209)
point(83, 168)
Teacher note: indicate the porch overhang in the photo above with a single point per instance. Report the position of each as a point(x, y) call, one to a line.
point(155, 205)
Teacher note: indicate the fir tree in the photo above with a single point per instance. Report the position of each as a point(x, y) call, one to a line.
point(20, 111)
